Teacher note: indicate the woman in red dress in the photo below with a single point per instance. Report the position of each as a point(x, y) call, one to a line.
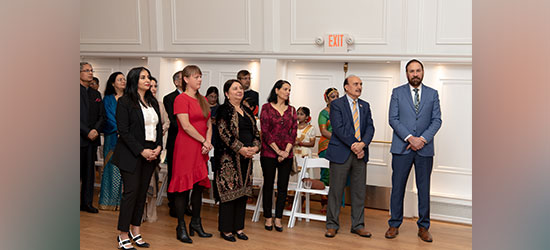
point(193, 143)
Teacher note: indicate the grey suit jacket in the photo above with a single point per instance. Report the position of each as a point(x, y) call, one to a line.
point(404, 120)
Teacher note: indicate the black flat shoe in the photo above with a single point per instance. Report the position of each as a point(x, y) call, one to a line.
point(242, 236)
point(228, 237)
point(279, 229)
point(89, 209)
point(269, 228)
point(138, 240)
point(124, 244)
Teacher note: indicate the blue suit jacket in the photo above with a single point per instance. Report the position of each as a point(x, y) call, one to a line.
point(343, 132)
point(404, 120)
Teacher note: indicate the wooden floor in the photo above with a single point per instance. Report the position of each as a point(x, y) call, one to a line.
point(98, 231)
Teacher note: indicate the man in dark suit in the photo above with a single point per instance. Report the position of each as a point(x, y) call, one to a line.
point(168, 101)
point(92, 117)
point(348, 153)
point(250, 95)
point(415, 117)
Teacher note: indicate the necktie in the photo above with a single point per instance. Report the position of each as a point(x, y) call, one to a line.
point(356, 121)
point(416, 100)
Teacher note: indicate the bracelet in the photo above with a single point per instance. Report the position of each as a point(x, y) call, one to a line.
point(203, 142)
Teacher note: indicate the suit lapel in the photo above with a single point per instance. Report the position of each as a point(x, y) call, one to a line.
point(139, 115)
point(422, 98)
point(362, 115)
point(345, 102)
point(84, 96)
point(408, 96)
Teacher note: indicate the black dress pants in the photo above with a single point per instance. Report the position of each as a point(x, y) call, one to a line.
point(231, 215)
point(135, 187)
point(269, 166)
point(87, 176)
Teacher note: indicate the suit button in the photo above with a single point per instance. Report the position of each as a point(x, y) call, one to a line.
point(417, 118)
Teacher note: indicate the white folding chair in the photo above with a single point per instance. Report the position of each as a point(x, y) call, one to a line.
point(291, 186)
point(210, 200)
point(296, 212)
point(163, 177)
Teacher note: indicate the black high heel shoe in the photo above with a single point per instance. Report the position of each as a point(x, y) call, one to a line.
point(181, 232)
point(228, 237)
point(269, 228)
point(196, 226)
point(137, 239)
point(278, 229)
point(122, 244)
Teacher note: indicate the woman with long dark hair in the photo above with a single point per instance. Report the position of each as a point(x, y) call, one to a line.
point(193, 143)
point(137, 152)
point(111, 182)
point(239, 140)
point(279, 126)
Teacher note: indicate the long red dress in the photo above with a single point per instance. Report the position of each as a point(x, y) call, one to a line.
point(189, 165)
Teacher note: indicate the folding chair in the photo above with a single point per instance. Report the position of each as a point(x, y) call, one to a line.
point(296, 212)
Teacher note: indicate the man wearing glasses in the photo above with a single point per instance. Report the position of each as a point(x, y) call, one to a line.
point(92, 117)
point(250, 96)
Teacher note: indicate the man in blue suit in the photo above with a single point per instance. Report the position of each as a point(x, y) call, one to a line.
point(415, 117)
point(348, 153)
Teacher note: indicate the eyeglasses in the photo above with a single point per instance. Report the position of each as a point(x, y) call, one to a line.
point(88, 70)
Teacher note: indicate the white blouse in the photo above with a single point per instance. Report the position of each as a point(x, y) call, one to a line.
point(150, 119)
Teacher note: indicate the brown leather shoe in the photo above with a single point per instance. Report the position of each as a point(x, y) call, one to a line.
point(424, 234)
point(392, 232)
point(362, 232)
point(331, 232)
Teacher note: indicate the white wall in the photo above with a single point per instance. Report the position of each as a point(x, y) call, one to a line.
point(274, 39)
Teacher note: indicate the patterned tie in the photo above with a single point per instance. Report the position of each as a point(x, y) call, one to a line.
point(356, 121)
point(416, 100)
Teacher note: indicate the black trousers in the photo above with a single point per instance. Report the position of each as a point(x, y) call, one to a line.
point(269, 166)
point(231, 215)
point(181, 199)
point(87, 176)
point(135, 187)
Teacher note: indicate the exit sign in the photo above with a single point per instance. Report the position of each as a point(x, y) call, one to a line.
point(336, 43)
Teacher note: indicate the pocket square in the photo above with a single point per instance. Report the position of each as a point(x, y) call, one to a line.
point(97, 100)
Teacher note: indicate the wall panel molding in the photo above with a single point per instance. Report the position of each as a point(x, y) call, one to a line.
point(121, 41)
point(452, 170)
point(440, 39)
point(382, 40)
point(246, 40)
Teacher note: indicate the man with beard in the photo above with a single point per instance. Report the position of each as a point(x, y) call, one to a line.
point(415, 117)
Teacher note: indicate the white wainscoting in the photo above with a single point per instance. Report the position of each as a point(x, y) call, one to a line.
point(121, 25)
point(213, 25)
point(446, 26)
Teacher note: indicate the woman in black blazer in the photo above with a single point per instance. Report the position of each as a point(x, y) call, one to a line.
point(137, 152)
